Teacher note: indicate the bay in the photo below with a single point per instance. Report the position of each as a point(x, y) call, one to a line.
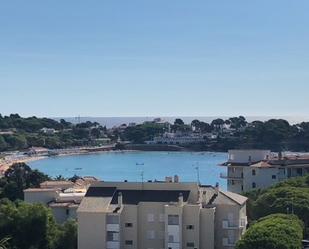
point(135, 166)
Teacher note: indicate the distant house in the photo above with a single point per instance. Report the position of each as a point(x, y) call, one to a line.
point(258, 169)
point(40, 151)
point(178, 138)
point(63, 197)
point(48, 131)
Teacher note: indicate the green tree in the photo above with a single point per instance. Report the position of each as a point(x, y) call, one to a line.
point(28, 226)
point(277, 231)
point(68, 236)
point(19, 177)
point(178, 121)
point(3, 144)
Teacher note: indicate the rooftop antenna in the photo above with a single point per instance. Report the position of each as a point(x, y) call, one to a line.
point(142, 176)
point(198, 174)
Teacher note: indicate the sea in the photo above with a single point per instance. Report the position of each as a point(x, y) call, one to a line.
point(200, 167)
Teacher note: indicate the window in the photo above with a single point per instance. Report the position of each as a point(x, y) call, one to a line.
point(233, 183)
point(253, 172)
point(173, 220)
point(253, 185)
point(150, 217)
point(190, 244)
point(67, 211)
point(112, 236)
point(190, 227)
point(242, 187)
point(128, 225)
point(129, 242)
point(112, 219)
point(170, 238)
point(273, 177)
point(151, 234)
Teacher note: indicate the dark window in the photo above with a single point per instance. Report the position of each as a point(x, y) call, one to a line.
point(128, 225)
point(190, 227)
point(233, 183)
point(129, 242)
point(173, 220)
point(253, 172)
point(242, 187)
point(253, 185)
point(273, 176)
point(190, 244)
point(112, 236)
point(67, 211)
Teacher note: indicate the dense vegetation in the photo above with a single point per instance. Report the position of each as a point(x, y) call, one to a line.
point(232, 133)
point(291, 196)
point(274, 134)
point(26, 132)
point(24, 226)
point(277, 231)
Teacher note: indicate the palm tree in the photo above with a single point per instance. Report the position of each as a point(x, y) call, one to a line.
point(4, 243)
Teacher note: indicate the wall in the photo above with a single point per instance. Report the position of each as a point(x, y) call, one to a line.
point(40, 196)
point(207, 228)
point(91, 230)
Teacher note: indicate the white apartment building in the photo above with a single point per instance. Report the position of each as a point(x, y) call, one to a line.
point(177, 138)
point(257, 169)
point(156, 215)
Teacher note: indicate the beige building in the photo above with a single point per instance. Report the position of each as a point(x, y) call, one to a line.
point(257, 169)
point(63, 197)
point(156, 215)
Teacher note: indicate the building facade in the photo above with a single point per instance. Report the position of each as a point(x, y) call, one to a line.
point(156, 215)
point(258, 169)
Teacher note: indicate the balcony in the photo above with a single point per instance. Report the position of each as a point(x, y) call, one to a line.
point(226, 224)
point(231, 177)
point(112, 244)
point(112, 227)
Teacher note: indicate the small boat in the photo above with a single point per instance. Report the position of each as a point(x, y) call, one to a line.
point(139, 164)
point(78, 168)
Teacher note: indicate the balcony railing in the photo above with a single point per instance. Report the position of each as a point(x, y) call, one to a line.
point(226, 224)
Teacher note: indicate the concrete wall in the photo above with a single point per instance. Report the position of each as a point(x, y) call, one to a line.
point(207, 228)
point(147, 210)
point(40, 196)
point(191, 217)
point(262, 177)
point(129, 215)
point(91, 230)
point(229, 213)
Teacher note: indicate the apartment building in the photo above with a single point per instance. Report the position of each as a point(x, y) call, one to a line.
point(257, 169)
point(156, 215)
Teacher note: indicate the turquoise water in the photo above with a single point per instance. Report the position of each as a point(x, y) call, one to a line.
point(129, 166)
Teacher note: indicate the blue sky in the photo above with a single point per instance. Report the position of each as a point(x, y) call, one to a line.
point(154, 58)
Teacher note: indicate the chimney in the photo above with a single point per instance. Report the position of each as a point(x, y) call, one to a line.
point(119, 199)
point(176, 178)
point(180, 199)
point(280, 155)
